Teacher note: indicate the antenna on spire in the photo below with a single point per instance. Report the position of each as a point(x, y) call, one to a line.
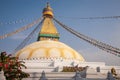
point(48, 4)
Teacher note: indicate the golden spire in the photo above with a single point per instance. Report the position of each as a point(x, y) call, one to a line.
point(48, 30)
point(47, 11)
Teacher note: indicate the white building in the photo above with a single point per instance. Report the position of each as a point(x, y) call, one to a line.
point(50, 55)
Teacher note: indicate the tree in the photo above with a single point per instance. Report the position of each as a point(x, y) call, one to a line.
point(12, 67)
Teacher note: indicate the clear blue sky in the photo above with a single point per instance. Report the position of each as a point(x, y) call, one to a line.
point(68, 12)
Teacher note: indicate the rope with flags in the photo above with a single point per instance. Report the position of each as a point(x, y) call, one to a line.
point(24, 42)
point(102, 17)
point(16, 21)
point(21, 29)
point(100, 45)
point(81, 18)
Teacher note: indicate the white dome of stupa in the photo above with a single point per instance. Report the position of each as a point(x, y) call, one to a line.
point(48, 49)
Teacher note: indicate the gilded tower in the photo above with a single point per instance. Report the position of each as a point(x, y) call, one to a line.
point(48, 30)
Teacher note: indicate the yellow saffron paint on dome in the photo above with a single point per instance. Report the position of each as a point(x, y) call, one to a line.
point(47, 46)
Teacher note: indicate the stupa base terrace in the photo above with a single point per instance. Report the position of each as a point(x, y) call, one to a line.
point(52, 69)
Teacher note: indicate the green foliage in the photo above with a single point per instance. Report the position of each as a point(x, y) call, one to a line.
point(12, 67)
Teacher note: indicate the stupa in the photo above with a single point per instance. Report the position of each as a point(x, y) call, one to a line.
point(50, 55)
point(48, 47)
